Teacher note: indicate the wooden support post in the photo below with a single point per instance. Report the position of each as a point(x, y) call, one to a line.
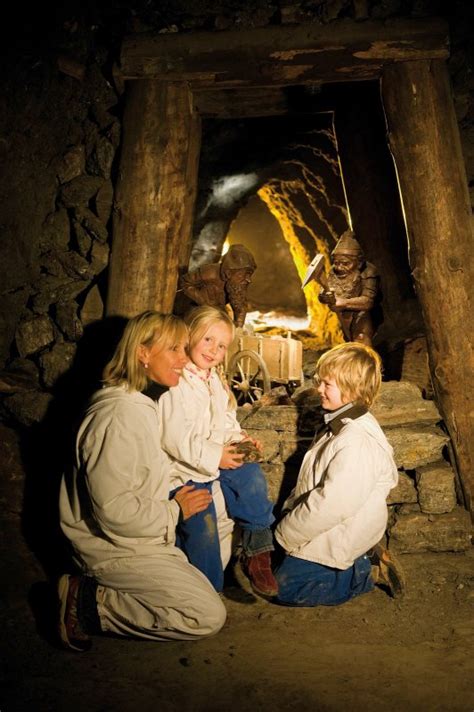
point(192, 170)
point(424, 140)
point(154, 196)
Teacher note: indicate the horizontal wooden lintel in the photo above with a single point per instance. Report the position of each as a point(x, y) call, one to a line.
point(343, 50)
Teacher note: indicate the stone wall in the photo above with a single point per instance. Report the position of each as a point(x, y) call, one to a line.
point(56, 253)
point(425, 513)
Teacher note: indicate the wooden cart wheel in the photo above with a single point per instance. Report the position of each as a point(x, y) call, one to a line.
point(248, 376)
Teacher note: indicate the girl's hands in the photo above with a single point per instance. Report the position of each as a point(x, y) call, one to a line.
point(258, 443)
point(230, 459)
point(191, 500)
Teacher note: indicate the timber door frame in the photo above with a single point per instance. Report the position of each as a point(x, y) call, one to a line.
point(155, 193)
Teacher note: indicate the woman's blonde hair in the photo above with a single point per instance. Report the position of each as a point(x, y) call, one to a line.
point(356, 368)
point(199, 320)
point(146, 329)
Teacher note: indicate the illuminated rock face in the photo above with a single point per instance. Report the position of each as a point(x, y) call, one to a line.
point(280, 198)
point(293, 167)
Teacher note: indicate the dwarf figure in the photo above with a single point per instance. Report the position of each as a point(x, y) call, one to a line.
point(224, 282)
point(351, 290)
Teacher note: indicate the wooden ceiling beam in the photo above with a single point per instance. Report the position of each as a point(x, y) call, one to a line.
point(343, 50)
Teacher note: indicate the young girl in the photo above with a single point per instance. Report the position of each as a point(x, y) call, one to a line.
point(199, 425)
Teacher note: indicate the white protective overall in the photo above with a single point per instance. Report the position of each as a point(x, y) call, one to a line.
point(114, 509)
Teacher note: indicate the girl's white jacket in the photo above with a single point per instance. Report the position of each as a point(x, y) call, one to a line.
point(338, 508)
point(114, 503)
point(197, 421)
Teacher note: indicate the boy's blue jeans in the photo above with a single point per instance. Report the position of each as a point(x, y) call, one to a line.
point(246, 498)
point(306, 583)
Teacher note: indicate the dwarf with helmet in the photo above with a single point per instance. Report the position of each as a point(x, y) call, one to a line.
point(351, 290)
point(224, 282)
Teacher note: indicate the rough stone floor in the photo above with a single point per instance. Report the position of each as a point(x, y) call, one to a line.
point(374, 653)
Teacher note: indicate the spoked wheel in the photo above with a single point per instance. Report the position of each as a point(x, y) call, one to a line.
point(248, 376)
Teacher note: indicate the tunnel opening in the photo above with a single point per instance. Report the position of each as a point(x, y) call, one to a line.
point(287, 185)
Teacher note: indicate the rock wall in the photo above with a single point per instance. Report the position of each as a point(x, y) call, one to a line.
point(60, 133)
point(59, 138)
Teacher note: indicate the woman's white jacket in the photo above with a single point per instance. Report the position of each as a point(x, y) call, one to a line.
point(114, 503)
point(338, 508)
point(197, 422)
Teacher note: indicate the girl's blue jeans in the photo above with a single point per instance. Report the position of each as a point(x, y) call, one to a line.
point(247, 503)
point(306, 583)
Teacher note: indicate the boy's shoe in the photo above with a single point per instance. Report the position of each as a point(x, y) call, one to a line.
point(259, 572)
point(69, 627)
point(387, 571)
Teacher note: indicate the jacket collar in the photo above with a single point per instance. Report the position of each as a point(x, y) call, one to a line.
point(334, 420)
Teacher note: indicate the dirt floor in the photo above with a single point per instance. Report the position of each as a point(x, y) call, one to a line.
point(374, 653)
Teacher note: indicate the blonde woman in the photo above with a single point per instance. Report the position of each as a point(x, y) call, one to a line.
point(115, 508)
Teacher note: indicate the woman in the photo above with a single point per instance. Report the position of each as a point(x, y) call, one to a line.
point(114, 505)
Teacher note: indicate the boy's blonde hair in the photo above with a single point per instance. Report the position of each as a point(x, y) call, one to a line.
point(147, 329)
point(356, 368)
point(200, 319)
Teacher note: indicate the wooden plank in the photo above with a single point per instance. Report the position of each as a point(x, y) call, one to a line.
point(191, 182)
point(283, 55)
point(424, 140)
point(241, 103)
point(153, 197)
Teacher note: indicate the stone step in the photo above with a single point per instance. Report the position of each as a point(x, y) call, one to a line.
point(416, 532)
point(399, 403)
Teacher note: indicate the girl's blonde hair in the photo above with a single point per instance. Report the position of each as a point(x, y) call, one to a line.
point(147, 329)
point(199, 320)
point(356, 368)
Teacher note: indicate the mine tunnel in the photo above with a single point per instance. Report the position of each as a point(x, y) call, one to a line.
point(287, 186)
point(141, 143)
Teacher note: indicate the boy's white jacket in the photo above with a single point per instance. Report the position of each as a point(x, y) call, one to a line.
point(197, 421)
point(338, 509)
point(114, 503)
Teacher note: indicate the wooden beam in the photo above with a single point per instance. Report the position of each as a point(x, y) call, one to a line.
point(153, 196)
point(424, 140)
point(283, 55)
point(191, 182)
point(241, 103)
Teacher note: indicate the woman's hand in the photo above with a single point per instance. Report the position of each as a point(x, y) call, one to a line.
point(230, 459)
point(191, 500)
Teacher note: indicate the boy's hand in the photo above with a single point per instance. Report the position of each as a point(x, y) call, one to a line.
point(191, 500)
point(230, 459)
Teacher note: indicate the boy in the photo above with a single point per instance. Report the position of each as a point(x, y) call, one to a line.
point(337, 512)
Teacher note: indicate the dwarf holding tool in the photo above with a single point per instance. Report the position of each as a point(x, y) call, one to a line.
point(350, 289)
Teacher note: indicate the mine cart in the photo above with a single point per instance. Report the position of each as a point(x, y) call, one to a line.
point(256, 362)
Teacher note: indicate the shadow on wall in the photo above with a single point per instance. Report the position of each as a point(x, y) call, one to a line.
point(47, 448)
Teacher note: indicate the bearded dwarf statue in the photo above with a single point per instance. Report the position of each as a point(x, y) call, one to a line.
point(224, 282)
point(352, 288)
